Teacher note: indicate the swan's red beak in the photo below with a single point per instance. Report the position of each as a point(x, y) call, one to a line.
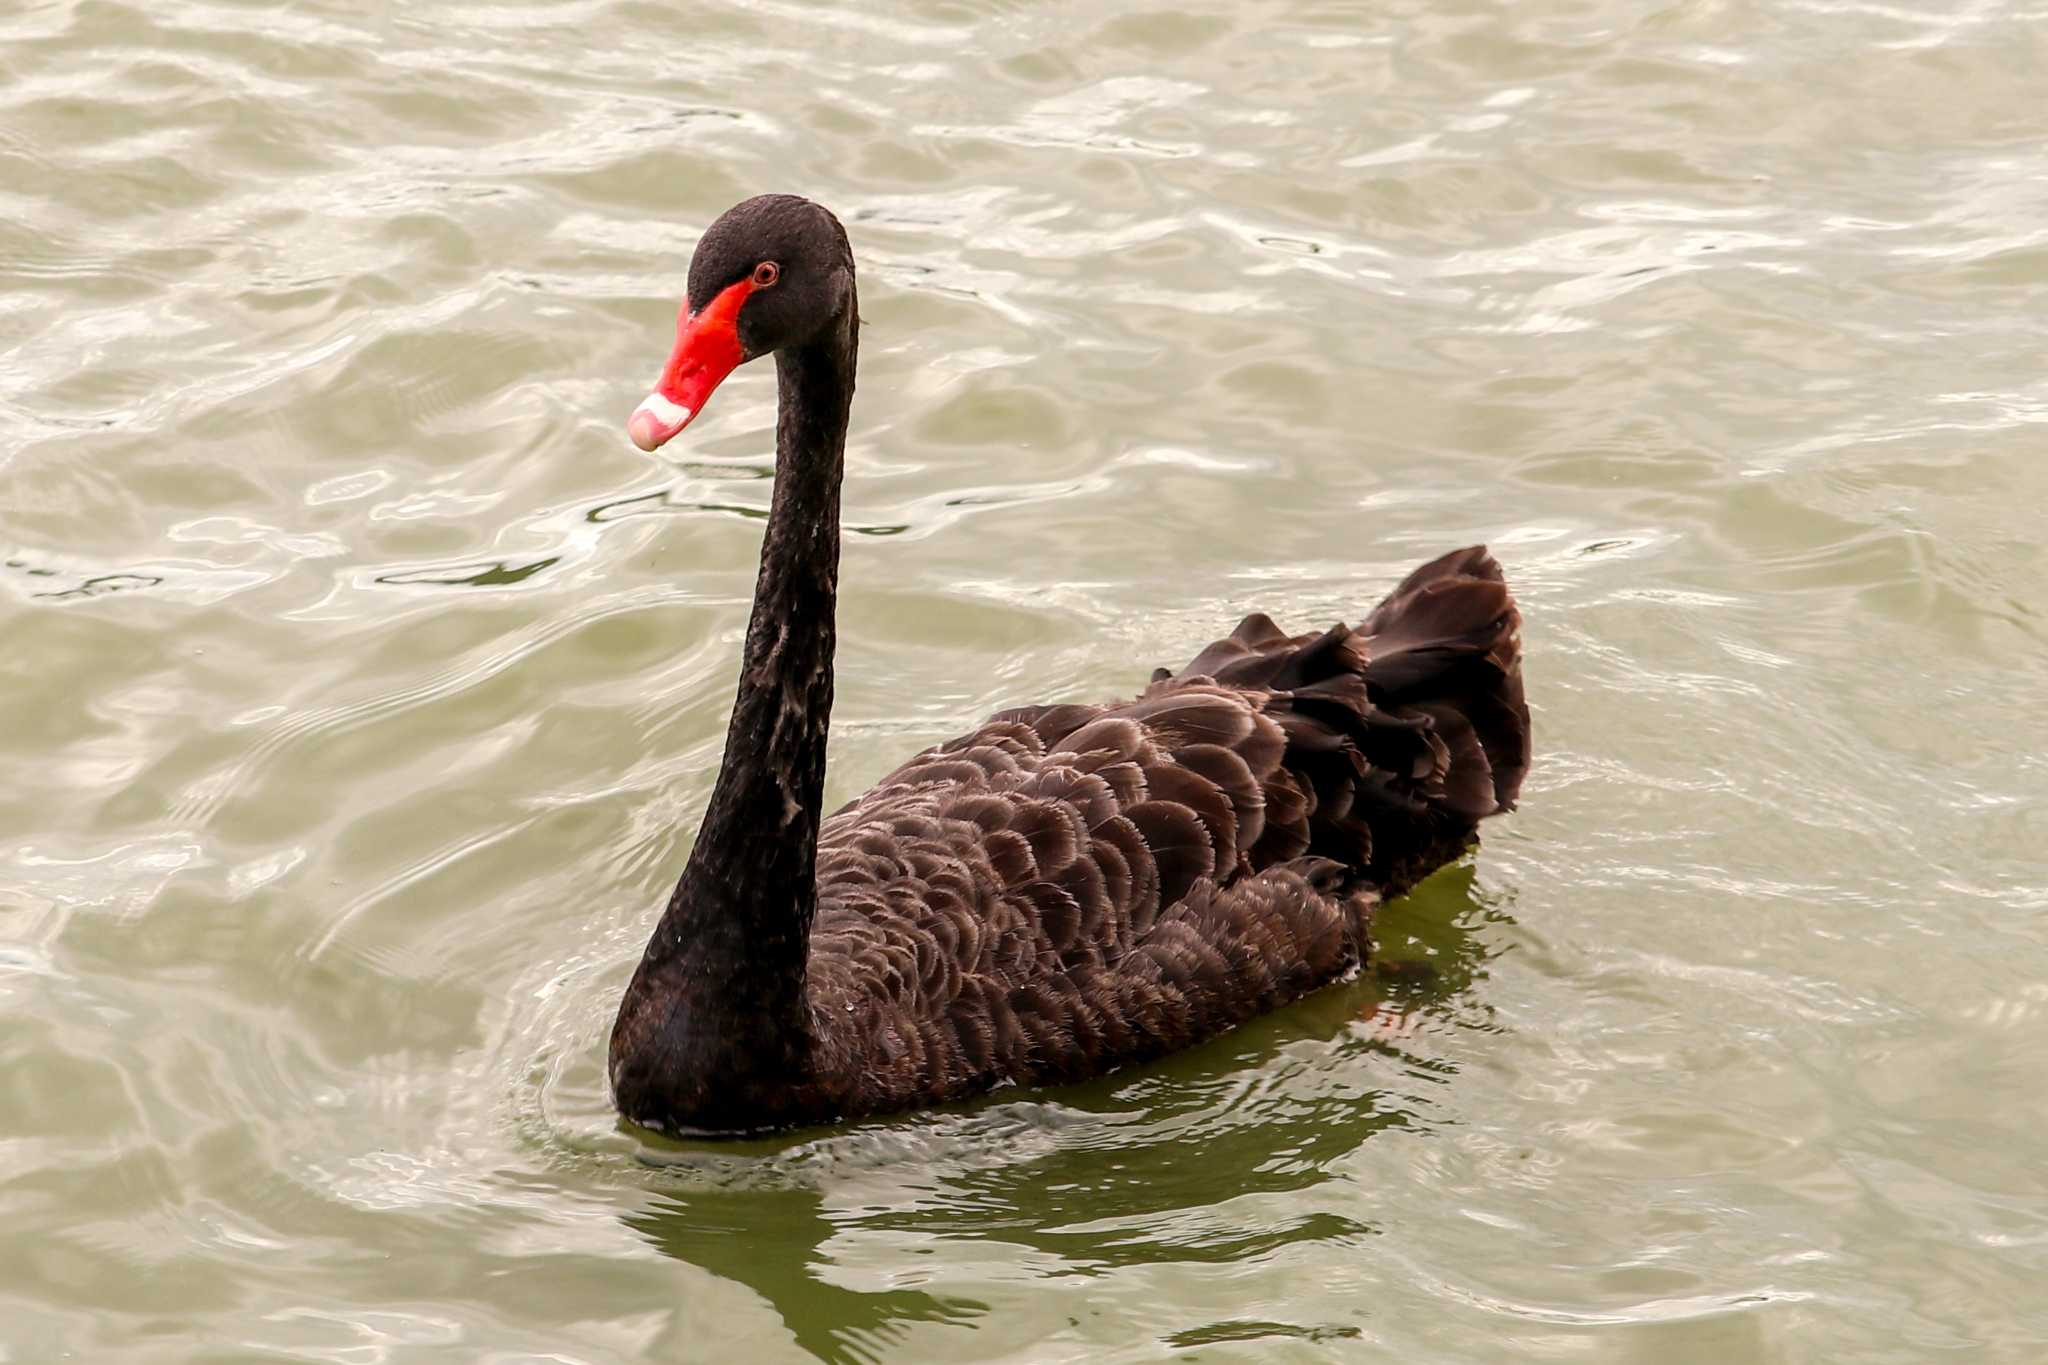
point(707, 350)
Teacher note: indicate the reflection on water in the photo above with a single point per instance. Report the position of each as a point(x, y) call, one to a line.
point(363, 685)
point(770, 1240)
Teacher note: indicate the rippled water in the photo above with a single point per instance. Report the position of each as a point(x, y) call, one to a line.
point(362, 684)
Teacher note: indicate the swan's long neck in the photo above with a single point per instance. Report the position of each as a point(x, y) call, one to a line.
point(721, 985)
point(750, 876)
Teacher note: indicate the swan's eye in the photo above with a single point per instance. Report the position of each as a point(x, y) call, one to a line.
point(766, 274)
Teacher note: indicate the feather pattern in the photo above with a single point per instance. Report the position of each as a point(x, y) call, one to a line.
point(1069, 889)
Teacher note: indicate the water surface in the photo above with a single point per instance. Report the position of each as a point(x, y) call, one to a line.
point(362, 685)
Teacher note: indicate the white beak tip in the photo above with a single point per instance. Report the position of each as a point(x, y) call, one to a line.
point(656, 420)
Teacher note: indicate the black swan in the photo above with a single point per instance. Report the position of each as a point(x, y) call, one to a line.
point(1068, 889)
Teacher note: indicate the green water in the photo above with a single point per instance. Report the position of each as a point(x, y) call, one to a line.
point(360, 685)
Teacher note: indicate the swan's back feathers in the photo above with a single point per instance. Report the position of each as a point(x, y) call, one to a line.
point(1070, 888)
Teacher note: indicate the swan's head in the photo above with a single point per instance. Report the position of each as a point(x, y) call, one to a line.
point(773, 272)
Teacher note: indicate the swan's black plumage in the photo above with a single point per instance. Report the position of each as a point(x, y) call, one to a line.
point(1069, 888)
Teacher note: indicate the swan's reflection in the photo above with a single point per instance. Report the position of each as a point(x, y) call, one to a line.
point(772, 1240)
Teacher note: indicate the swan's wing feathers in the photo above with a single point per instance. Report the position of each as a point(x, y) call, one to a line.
point(1087, 794)
point(1072, 887)
point(1119, 738)
point(1054, 829)
point(1130, 873)
point(1224, 954)
point(1192, 711)
point(1180, 847)
point(1231, 775)
point(1184, 789)
point(1048, 724)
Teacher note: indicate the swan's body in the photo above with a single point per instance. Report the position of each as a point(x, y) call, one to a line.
point(1067, 889)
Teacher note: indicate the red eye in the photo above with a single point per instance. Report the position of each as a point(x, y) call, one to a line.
point(766, 274)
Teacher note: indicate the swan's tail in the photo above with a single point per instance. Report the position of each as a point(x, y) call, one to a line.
point(1399, 736)
point(1447, 644)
